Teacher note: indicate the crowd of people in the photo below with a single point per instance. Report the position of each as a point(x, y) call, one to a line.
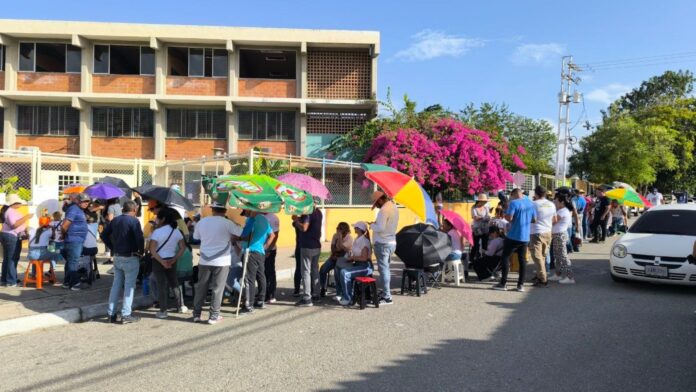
point(549, 226)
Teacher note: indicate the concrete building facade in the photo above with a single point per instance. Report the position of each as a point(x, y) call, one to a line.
point(180, 92)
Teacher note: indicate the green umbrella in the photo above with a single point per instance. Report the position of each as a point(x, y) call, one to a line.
point(258, 193)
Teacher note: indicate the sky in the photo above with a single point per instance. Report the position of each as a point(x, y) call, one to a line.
point(455, 52)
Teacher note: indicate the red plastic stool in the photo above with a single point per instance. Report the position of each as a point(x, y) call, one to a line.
point(362, 287)
point(38, 279)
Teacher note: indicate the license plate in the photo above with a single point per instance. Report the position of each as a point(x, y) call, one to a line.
point(656, 271)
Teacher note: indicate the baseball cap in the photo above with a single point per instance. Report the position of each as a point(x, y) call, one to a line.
point(361, 225)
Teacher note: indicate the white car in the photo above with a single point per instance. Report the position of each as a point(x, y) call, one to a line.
point(656, 247)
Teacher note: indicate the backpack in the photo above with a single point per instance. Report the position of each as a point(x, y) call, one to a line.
point(3, 212)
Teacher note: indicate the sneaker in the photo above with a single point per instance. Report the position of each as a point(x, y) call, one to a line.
point(196, 318)
point(385, 301)
point(520, 289)
point(113, 319)
point(129, 319)
point(567, 281)
point(259, 305)
point(344, 302)
point(315, 298)
point(76, 287)
point(539, 283)
point(13, 285)
point(161, 315)
point(65, 286)
point(214, 319)
point(323, 293)
point(271, 301)
point(107, 262)
point(499, 287)
point(304, 302)
point(296, 294)
point(337, 298)
point(182, 309)
point(554, 278)
point(246, 310)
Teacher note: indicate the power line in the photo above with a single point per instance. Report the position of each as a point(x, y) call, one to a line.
point(639, 59)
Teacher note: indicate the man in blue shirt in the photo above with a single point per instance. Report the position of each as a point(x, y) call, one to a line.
point(521, 213)
point(74, 229)
point(258, 237)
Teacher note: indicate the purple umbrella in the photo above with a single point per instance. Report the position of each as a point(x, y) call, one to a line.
point(306, 183)
point(104, 191)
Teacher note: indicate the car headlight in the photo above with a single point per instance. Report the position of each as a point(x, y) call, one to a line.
point(619, 251)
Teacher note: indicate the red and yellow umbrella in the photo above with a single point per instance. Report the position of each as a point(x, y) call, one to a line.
point(76, 188)
point(403, 189)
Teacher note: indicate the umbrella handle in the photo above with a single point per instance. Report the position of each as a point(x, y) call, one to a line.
point(245, 260)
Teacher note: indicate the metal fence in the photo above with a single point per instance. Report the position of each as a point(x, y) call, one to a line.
point(345, 180)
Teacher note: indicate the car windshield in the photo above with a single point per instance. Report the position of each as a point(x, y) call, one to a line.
point(675, 222)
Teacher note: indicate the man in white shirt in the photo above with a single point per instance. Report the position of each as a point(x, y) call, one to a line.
point(540, 234)
point(384, 237)
point(216, 234)
point(655, 198)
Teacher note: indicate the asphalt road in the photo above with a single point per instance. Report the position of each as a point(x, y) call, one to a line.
point(595, 336)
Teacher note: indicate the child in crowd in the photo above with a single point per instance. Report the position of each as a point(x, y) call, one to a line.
point(494, 251)
point(499, 220)
point(39, 239)
point(56, 237)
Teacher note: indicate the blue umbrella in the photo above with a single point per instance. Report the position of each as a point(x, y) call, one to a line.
point(104, 191)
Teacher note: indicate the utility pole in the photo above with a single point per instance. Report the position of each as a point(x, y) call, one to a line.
point(565, 98)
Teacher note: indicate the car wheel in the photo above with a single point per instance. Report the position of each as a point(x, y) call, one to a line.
point(618, 279)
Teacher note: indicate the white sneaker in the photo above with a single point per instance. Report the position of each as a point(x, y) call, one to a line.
point(567, 281)
point(161, 315)
point(182, 309)
point(344, 302)
point(337, 298)
point(554, 278)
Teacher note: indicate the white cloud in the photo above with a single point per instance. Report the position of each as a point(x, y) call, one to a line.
point(429, 44)
point(608, 93)
point(537, 53)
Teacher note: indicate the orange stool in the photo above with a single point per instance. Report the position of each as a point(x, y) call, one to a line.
point(38, 279)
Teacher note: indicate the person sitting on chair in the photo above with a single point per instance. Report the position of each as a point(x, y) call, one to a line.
point(361, 260)
point(341, 243)
point(494, 252)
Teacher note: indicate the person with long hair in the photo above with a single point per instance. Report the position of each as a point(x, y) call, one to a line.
point(341, 243)
point(166, 246)
point(481, 217)
point(361, 260)
point(561, 222)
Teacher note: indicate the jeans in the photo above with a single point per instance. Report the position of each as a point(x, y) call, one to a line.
point(71, 253)
point(383, 254)
point(270, 271)
point(125, 275)
point(214, 278)
point(166, 280)
point(480, 243)
point(255, 273)
point(328, 265)
point(41, 253)
point(585, 226)
point(348, 274)
point(510, 247)
point(12, 247)
point(310, 272)
point(616, 225)
point(599, 228)
point(455, 255)
point(234, 277)
point(298, 269)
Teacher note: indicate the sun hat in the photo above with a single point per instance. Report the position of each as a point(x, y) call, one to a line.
point(361, 225)
point(83, 197)
point(15, 199)
point(217, 205)
point(375, 197)
point(482, 197)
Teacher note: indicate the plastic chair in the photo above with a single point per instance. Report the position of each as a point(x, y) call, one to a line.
point(413, 274)
point(362, 287)
point(38, 278)
point(455, 266)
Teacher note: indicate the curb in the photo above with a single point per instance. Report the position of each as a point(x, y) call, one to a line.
point(83, 313)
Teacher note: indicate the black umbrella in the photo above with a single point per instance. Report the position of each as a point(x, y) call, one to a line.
point(165, 195)
point(421, 245)
point(121, 184)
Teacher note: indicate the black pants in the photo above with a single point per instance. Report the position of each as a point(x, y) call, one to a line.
point(599, 228)
point(255, 273)
point(510, 247)
point(477, 250)
point(298, 269)
point(166, 280)
point(270, 272)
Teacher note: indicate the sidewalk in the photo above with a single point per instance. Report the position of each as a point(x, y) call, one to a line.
point(25, 309)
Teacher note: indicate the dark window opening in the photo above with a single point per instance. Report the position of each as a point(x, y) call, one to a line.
point(200, 62)
point(43, 57)
point(101, 59)
point(178, 61)
point(122, 122)
point(2, 57)
point(2, 120)
point(267, 64)
point(147, 60)
point(48, 120)
point(124, 60)
point(197, 123)
point(262, 125)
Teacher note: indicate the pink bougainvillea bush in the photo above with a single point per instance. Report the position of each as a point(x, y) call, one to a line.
point(447, 155)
